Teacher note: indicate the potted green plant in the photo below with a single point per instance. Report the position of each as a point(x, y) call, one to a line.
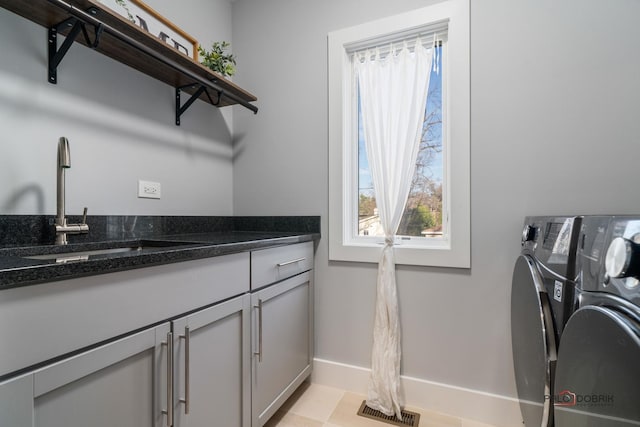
point(217, 60)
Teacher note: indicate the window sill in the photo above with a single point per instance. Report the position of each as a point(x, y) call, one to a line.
point(429, 257)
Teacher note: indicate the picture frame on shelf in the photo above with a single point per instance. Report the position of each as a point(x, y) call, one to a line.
point(152, 22)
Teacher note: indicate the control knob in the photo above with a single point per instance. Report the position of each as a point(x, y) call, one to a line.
point(528, 233)
point(622, 258)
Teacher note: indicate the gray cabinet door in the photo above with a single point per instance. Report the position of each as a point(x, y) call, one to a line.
point(16, 402)
point(122, 383)
point(281, 335)
point(212, 366)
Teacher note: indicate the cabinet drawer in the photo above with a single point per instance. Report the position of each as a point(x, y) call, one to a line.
point(275, 264)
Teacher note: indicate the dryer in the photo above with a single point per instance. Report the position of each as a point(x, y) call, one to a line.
point(598, 368)
point(542, 299)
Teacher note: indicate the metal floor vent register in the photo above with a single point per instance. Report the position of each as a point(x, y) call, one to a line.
point(409, 418)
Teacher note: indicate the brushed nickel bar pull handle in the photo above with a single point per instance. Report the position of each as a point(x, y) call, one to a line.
point(282, 264)
point(259, 353)
point(169, 411)
point(187, 364)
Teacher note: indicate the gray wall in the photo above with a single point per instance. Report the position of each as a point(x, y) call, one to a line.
point(555, 124)
point(120, 124)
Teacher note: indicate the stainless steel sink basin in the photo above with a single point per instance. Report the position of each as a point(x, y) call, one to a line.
point(85, 255)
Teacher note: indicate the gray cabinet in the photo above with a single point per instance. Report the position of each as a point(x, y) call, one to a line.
point(128, 382)
point(90, 310)
point(16, 402)
point(122, 383)
point(282, 335)
point(125, 382)
point(211, 377)
point(232, 364)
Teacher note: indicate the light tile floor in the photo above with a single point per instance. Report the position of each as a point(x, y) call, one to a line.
point(314, 405)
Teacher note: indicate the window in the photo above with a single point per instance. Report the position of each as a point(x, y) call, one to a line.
point(423, 215)
point(435, 228)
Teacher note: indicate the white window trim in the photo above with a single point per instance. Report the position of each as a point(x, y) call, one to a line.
point(457, 251)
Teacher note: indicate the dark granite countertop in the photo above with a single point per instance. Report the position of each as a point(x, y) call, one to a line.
point(157, 241)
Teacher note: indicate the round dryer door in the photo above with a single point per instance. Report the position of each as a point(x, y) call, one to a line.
point(598, 371)
point(533, 343)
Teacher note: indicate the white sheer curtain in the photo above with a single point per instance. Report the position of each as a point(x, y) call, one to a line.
point(393, 95)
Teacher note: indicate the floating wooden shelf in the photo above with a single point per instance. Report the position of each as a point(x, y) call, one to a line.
point(127, 43)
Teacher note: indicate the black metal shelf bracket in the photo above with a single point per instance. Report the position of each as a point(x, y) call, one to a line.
point(201, 89)
point(56, 55)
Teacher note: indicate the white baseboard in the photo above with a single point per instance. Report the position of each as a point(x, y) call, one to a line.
point(499, 411)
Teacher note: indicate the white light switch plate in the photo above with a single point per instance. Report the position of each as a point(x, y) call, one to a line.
point(149, 189)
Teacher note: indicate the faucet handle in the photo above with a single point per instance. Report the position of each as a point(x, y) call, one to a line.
point(83, 227)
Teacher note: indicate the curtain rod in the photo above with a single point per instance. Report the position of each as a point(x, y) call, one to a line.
point(433, 28)
point(88, 19)
point(384, 50)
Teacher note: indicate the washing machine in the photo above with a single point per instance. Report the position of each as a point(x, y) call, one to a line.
point(598, 368)
point(542, 299)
